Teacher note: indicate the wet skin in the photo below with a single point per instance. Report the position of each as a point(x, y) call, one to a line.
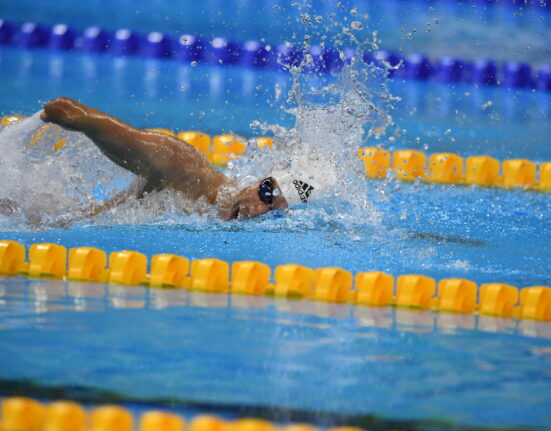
point(162, 161)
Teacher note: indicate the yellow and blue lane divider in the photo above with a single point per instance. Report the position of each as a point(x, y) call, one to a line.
point(332, 285)
point(405, 165)
point(26, 414)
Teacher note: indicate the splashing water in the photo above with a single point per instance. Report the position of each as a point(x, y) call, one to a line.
point(47, 183)
point(53, 177)
point(334, 117)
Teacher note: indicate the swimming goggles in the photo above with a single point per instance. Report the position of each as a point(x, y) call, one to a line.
point(266, 190)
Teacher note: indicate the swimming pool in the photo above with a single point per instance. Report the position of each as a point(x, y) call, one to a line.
point(280, 359)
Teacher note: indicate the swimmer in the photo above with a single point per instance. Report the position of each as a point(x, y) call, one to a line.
point(164, 162)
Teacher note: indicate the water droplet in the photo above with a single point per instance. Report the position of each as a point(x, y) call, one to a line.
point(305, 18)
point(356, 25)
point(193, 63)
point(486, 105)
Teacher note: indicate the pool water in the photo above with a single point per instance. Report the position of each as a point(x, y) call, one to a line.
point(293, 360)
point(434, 117)
point(439, 27)
point(283, 360)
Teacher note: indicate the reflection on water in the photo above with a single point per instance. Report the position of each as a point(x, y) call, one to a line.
point(42, 296)
point(261, 351)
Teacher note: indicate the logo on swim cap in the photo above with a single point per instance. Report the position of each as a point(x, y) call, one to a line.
point(304, 190)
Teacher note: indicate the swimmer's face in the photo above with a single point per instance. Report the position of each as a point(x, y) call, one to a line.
point(248, 204)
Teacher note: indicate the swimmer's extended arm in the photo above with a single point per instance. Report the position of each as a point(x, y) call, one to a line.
point(162, 160)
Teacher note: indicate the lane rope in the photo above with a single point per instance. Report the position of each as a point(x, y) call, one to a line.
point(405, 165)
point(26, 414)
point(290, 281)
point(257, 54)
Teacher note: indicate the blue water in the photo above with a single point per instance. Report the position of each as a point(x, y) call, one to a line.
point(483, 235)
point(229, 353)
point(286, 354)
point(502, 123)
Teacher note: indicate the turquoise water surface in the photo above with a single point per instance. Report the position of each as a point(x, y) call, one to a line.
point(284, 360)
point(291, 360)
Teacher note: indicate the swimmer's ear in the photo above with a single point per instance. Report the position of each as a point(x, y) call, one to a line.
point(231, 214)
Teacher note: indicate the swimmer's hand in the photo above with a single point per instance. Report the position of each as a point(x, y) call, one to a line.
point(65, 112)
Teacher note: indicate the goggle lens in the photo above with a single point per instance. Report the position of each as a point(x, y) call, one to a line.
point(266, 191)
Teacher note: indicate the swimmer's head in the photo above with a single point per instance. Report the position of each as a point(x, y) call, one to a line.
point(263, 196)
point(306, 180)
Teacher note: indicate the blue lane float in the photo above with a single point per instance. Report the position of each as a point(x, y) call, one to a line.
point(516, 74)
point(61, 37)
point(417, 66)
point(222, 51)
point(543, 79)
point(94, 39)
point(383, 57)
point(189, 48)
point(256, 54)
point(125, 42)
point(7, 30)
point(288, 55)
point(157, 45)
point(482, 72)
point(32, 35)
point(449, 69)
point(324, 60)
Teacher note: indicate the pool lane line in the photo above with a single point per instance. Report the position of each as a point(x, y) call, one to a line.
point(379, 163)
point(450, 168)
point(290, 281)
point(257, 54)
point(91, 407)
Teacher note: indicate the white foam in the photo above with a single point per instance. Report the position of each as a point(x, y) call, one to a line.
point(333, 118)
point(44, 187)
